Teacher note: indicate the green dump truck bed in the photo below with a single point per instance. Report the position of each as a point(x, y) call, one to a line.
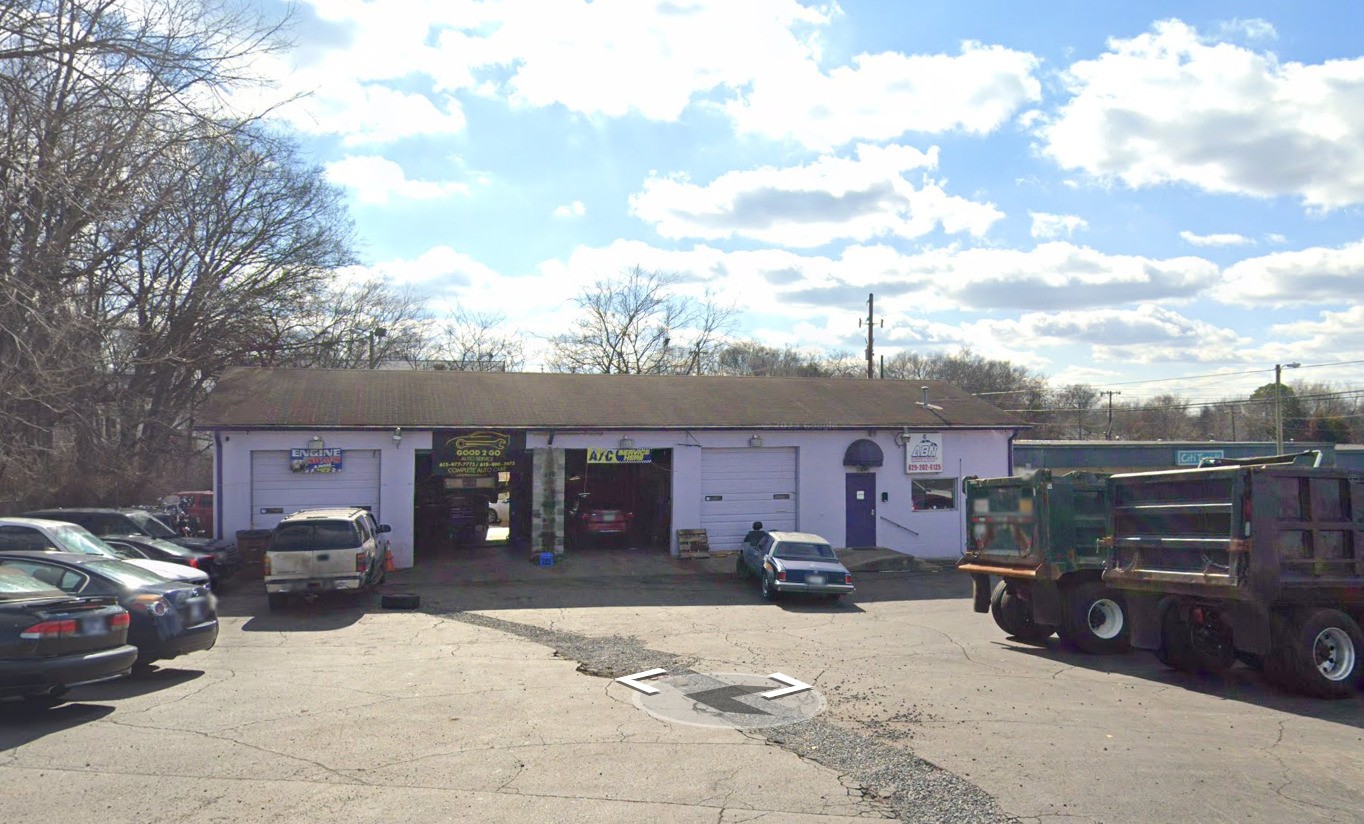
point(1040, 536)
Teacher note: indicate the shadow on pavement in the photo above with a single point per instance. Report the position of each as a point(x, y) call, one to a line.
point(159, 677)
point(326, 611)
point(22, 723)
point(1240, 683)
point(498, 577)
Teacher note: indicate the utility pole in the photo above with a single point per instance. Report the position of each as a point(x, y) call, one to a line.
point(871, 337)
point(376, 332)
point(1108, 433)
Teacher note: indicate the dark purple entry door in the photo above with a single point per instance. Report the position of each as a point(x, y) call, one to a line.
point(861, 509)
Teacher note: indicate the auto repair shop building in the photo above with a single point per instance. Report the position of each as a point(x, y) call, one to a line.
point(860, 462)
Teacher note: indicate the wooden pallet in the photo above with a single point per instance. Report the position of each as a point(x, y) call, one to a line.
point(693, 543)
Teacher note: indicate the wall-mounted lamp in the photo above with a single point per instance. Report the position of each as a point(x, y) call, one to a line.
point(756, 440)
point(627, 443)
point(316, 442)
point(397, 435)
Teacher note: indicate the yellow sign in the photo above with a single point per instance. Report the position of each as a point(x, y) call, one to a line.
point(619, 456)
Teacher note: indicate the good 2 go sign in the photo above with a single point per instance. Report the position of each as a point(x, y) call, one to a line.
point(923, 453)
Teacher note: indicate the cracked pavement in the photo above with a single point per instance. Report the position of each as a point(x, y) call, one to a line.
point(494, 704)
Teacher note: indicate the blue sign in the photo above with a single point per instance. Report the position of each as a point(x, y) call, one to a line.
point(1191, 457)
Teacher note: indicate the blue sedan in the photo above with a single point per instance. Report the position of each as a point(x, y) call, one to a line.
point(801, 562)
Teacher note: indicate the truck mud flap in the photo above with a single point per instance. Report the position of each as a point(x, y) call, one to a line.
point(980, 592)
point(1046, 603)
point(1143, 618)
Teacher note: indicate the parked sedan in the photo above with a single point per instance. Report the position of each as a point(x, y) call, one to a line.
point(168, 618)
point(595, 523)
point(111, 521)
point(51, 641)
point(794, 562)
point(155, 549)
point(39, 535)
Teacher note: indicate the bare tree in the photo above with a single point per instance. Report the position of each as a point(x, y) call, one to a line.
point(480, 342)
point(148, 235)
point(637, 323)
point(751, 358)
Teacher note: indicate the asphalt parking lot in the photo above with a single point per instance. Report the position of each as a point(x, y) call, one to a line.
point(496, 702)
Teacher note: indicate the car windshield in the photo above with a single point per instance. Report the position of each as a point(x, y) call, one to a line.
point(151, 526)
point(168, 548)
point(800, 551)
point(78, 539)
point(312, 535)
point(17, 585)
point(123, 573)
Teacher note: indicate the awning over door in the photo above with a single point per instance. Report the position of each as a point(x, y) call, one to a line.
point(276, 490)
point(743, 485)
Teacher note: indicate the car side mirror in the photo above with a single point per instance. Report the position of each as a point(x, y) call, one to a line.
point(382, 528)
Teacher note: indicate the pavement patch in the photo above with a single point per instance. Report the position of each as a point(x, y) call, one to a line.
point(914, 789)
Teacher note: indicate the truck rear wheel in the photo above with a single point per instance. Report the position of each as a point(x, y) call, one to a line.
point(1003, 621)
point(1205, 646)
point(1094, 619)
point(1016, 618)
point(1316, 653)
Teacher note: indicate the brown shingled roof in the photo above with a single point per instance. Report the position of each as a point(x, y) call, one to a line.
point(359, 398)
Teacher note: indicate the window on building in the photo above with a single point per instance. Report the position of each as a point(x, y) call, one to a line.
point(935, 493)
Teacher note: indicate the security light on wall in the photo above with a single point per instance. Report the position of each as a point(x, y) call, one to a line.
point(397, 435)
point(316, 442)
point(756, 440)
point(627, 443)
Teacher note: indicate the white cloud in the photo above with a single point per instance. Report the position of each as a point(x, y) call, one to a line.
point(1315, 275)
point(439, 269)
point(375, 180)
point(1331, 338)
point(1223, 239)
point(1168, 107)
point(1253, 28)
point(1047, 226)
point(574, 209)
point(830, 199)
point(613, 57)
point(883, 96)
point(371, 113)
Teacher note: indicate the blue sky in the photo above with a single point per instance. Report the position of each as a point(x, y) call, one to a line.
point(1101, 192)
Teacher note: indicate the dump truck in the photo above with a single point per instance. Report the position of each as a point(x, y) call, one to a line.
point(1257, 561)
point(1039, 536)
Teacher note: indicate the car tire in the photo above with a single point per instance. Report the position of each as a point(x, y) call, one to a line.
point(768, 588)
point(400, 600)
point(493, 518)
point(739, 567)
point(1094, 619)
point(1316, 653)
point(277, 600)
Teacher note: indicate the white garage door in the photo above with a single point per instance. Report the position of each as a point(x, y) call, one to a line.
point(740, 486)
point(276, 491)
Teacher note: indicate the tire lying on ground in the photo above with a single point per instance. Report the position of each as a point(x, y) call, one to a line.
point(1094, 619)
point(1316, 652)
point(400, 600)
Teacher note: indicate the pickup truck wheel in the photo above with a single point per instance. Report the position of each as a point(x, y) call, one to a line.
point(277, 600)
point(1017, 613)
point(1316, 653)
point(1004, 621)
point(1094, 619)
